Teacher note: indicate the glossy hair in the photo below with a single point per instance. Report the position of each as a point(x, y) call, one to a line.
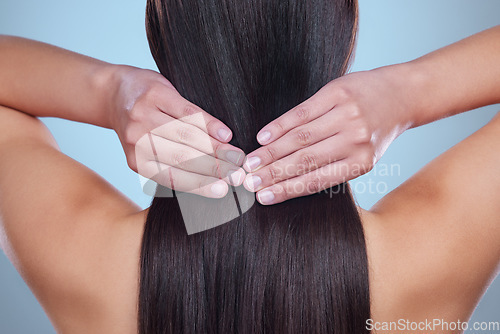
point(296, 267)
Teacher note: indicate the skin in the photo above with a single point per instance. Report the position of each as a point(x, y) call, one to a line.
point(138, 104)
point(432, 243)
point(343, 130)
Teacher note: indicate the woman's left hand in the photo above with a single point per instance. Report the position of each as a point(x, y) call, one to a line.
point(170, 140)
point(336, 135)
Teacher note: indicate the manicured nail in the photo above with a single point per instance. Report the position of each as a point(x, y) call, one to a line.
point(234, 157)
point(224, 134)
point(266, 197)
point(253, 182)
point(252, 163)
point(218, 189)
point(264, 137)
point(236, 177)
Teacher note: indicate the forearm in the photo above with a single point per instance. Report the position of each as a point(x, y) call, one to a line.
point(454, 79)
point(47, 81)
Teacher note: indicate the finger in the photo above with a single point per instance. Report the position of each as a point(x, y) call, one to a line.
point(178, 107)
point(310, 183)
point(190, 135)
point(299, 163)
point(189, 159)
point(146, 150)
point(181, 180)
point(317, 105)
point(298, 138)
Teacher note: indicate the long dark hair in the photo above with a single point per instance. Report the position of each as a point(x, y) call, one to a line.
point(296, 267)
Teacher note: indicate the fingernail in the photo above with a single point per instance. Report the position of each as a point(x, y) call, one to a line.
point(224, 134)
point(236, 177)
point(266, 197)
point(252, 163)
point(264, 137)
point(234, 157)
point(218, 189)
point(253, 182)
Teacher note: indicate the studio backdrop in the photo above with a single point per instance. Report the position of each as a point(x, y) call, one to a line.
point(391, 31)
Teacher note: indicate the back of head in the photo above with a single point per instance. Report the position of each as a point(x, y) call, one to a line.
point(299, 266)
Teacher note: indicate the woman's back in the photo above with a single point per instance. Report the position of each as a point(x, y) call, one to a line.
point(419, 269)
point(84, 268)
point(89, 274)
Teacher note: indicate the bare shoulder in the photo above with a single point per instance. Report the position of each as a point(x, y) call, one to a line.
point(61, 225)
point(434, 240)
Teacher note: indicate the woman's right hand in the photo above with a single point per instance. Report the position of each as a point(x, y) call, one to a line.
point(170, 140)
point(336, 135)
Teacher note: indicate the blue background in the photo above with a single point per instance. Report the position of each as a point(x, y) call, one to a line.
point(391, 31)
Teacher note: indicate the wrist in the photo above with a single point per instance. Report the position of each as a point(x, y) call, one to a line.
point(107, 81)
point(422, 91)
point(403, 86)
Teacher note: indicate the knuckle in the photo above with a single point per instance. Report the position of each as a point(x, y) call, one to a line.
point(218, 149)
point(314, 184)
point(128, 107)
point(303, 137)
point(367, 161)
point(216, 170)
point(279, 126)
point(283, 190)
point(342, 93)
point(364, 134)
point(274, 174)
point(271, 153)
point(137, 114)
point(367, 168)
point(302, 113)
point(210, 123)
point(150, 95)
point(183, 135)
point(309, 161)
point(189, 110)
point(179, 158)
point(142, 98)
point(130, 137)
point(354, 112)
point(153, 92)
point(202, 188)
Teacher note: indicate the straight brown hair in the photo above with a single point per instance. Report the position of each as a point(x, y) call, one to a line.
point(296, 267)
